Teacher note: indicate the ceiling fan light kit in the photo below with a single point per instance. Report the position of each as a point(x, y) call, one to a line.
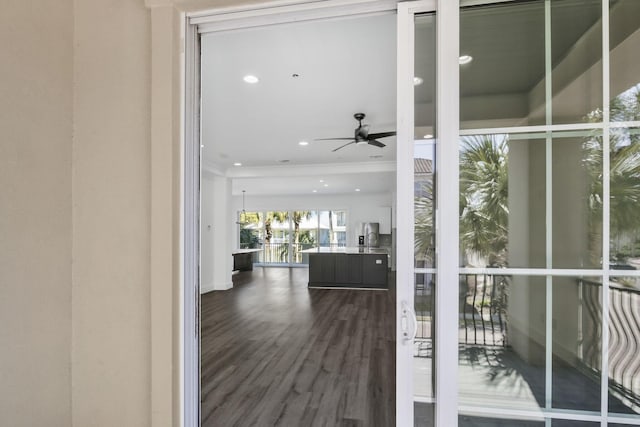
point(361, 135)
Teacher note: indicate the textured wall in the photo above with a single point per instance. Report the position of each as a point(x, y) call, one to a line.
point(35, 212)
point(111, 214)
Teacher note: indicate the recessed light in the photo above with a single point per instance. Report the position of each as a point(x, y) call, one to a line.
point(417, 81)
point(322, 180)
point(314, 191)
point(303, 143)
point(357, 189)
point(237, 164)
point(326, 185)
point(201, 145)
point(465, 59)
point(250, 79)
point(428, 136)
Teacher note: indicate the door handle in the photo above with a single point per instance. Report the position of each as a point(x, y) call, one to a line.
point(406, 313)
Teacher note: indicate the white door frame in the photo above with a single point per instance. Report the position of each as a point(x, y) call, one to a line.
point(447, 125)
point(446, 214)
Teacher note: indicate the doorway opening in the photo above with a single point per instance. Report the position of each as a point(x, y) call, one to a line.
point(273, 98)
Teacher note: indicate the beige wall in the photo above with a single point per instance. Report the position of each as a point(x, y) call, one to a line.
point(111, 214)
point(35, 212)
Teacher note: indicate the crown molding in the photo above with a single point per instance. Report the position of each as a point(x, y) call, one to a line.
point(212, 168)
point(310, 170)
point(152, 4)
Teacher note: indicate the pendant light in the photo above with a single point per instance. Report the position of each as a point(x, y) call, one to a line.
point(243, 214)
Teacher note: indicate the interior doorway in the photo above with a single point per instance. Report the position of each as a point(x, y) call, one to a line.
point(281, 105)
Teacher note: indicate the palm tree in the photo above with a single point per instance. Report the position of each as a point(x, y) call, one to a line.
point(624, 171)
point(424, 234)
point(484, 193)
point(277, 216)
point(483, 202)
point(298, 216)
point(249, 234)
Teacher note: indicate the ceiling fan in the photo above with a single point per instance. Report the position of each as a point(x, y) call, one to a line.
point(361, 135)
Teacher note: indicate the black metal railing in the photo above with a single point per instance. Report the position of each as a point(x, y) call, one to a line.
point(278, 253)
point(484, 321)
point(483, 310)
point(424, 307)
point(624, 337)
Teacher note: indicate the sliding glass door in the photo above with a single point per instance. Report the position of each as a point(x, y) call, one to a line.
point(550, 308)
point(531, 316)
point(420, 258)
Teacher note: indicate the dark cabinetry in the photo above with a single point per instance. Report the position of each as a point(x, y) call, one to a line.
point(374, 270)
point(243, 261)
point(322, 268)
point(348, 269)
point(359, 270)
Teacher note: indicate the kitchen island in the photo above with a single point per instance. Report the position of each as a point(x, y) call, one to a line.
point(350, 267)
point(243, 259)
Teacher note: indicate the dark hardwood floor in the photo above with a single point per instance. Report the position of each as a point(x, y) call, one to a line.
point(277, 353)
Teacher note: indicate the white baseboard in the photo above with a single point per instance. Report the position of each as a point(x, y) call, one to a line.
point(204, 288)
point(208, 287)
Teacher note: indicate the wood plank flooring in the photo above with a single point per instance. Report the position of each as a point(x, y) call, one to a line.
point(275, 353)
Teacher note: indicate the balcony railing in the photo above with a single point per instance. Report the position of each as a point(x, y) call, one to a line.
point(278, 253)
point(624, 337)
point(484, 322)
point(483, 309)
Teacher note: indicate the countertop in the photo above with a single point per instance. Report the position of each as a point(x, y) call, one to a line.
point(347, 250)
point(245, 251)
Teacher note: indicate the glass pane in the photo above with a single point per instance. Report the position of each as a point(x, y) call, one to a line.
point(424, 204)
point(577, 343)
point(502, 341)
point(424, 196)
point(624, 345)
point(332, 229)
point(502, 201)
point(572, 423)
point(625, 198)
point(503, 196)
point(624, 59)
point(469, 421)
point(305, 234)
point(425, 76)
point(423, 360)
point(276, 237)
point(576, 61)
point(506, 45)
point(577, 195)
point(251, 230)
point(423, 414)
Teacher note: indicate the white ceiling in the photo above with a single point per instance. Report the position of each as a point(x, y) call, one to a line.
point(370, 182)
point(344, 65)
point(348, 65)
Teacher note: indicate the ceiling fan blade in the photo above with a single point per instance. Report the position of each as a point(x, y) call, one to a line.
point(334, 139)
point(342, 146)
point(381, 135)
point(376, 143)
